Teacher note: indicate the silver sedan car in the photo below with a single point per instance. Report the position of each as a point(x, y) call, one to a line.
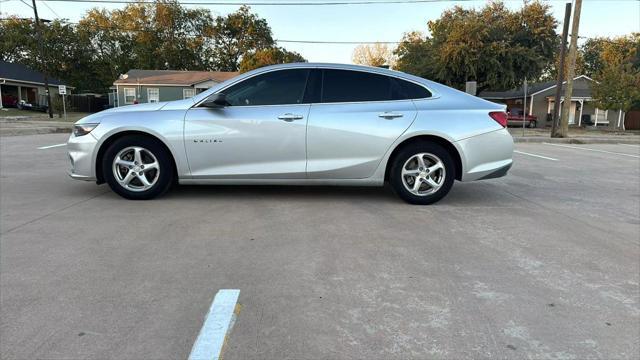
point(299, 124)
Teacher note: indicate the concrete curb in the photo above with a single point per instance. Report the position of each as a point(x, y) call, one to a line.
point(34, 131)
point(577, 140)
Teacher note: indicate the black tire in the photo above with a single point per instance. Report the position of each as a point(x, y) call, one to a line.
point(408, 152)
point(532, 124)
point(164, 179)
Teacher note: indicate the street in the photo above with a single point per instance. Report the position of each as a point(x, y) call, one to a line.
point(543, 263)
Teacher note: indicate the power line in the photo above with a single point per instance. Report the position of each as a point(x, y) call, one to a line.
point(291, 3)
point(24, 2)
point(111, 27)
point(49, 7)
point(336, 42)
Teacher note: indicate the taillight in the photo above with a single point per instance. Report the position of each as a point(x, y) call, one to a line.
point(500, 117)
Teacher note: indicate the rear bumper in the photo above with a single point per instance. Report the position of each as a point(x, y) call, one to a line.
point(486, 156)
point(497, 173)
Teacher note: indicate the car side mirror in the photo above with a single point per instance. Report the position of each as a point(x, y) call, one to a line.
point(215, 101)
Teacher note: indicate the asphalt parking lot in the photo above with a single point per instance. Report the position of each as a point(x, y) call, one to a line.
point(544, 263)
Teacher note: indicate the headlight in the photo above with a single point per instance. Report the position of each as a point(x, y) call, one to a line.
point(83, 129)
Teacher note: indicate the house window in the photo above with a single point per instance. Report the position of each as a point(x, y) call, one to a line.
point(129, 95)
point(153, 94)
point(187, 93)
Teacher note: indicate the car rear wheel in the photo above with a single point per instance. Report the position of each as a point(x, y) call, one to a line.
point(138, 168)
point(532, 124)
point(422, 173)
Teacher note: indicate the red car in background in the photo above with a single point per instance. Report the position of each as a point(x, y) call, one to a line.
point(9, 100)
point(516, 116)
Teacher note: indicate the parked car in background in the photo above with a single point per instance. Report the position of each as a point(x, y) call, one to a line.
point(9, 100)
point(516, 116)
point(299, 124)
point(23, 105)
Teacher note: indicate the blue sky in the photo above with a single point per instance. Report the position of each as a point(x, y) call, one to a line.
point(379, 22)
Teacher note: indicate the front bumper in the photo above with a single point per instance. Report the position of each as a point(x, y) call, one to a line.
point(81, 155)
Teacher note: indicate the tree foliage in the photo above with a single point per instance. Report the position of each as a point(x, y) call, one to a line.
point(268, 56)
point(615, 67)
point(600, 52)
point(494, 46)
point(238, 34)
point(162, 34)
point(377, 54)
point(617, 87)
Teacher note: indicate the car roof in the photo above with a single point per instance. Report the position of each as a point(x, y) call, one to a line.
point(337, 66)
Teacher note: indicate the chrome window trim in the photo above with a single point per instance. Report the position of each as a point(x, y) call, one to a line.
point(434, 94)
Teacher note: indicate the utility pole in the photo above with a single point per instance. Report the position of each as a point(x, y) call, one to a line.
point(571, 73)
point(42, 58)
point(563, 47)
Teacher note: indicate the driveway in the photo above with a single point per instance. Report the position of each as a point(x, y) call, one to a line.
point(543, 263)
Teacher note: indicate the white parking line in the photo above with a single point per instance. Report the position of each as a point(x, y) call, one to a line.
point(214, 331)
point(534, 155)
point(596, 150)
point(51, 146)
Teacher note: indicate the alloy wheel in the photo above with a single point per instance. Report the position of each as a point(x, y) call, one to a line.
point(136, 168)
point(423, 174)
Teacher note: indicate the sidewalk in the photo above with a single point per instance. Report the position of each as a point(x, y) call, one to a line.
point(576, 136)
point(23, 122)
point(13, 127)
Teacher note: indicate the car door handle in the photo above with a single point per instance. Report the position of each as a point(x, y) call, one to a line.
point(390, 115)
point(290, 117)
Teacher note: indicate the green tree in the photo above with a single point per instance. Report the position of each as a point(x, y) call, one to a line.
point(238, 34)
point(414, 55)
point(616, 63)
point(63, 52)
point(494, 46)
point(145, 35)
point(158, 35)
point(17, 39)
point(269, 56)
point(600, 52)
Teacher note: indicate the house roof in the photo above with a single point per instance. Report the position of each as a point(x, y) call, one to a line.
point(578, 93)
point(21, 73)
point(532, 89)
point(173, 77)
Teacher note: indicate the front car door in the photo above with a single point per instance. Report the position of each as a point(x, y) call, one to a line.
point(359, 116)
point(261, 134)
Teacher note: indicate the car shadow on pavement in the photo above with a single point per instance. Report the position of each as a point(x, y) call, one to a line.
point(289, 192)
point(462, 194)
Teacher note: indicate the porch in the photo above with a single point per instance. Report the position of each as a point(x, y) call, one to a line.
point(583, 112)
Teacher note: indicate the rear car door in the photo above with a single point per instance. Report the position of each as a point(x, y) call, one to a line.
point(261, 134)
point(359, 116)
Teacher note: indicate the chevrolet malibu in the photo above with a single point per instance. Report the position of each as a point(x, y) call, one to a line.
point(299, 124)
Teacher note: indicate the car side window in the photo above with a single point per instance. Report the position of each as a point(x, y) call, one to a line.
point(405, 90)
point(357, 86)
point(354, 86)
point(273, 88)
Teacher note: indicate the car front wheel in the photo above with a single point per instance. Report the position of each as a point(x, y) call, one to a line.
point(422, 173)
point(138, 168)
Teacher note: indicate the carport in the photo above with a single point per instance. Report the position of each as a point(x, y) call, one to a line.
point(22, 83)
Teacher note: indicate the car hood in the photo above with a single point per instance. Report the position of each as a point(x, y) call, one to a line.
point(138, 107)
point(166, 105)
